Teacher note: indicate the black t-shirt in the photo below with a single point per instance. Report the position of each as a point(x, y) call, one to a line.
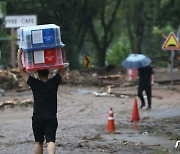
point(45, 95)
point(145, 75)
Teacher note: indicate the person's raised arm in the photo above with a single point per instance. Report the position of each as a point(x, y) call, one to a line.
point(61, 71)
point(22, 71)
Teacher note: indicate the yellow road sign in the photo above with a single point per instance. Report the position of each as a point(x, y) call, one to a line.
point(171, 43)
point(87, 61)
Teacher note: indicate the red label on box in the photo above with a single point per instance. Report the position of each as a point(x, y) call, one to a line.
point(50, 56)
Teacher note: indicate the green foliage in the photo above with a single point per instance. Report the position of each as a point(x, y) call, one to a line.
point(5, 45)
point(168, 13)
point(136, 25)
point(2, 9)
point(118, 52)
point(101, 26)
point(167, 29)
point(153, 42)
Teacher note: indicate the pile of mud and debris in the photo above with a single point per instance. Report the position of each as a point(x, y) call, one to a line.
point(11, 79)
point(105, 78)
point(8, 79)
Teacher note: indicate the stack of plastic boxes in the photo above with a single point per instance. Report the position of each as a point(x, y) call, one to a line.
point(42, 47)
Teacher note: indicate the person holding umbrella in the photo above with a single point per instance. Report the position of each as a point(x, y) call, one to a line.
point(146, 75)
point(146, 79)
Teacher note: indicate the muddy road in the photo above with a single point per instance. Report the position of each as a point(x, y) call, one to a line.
point(83, 118)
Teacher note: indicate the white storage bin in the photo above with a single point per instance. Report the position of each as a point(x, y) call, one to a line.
point(40, 37)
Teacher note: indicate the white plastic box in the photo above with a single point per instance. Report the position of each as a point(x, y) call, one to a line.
point(40, 37)
point(43, 59)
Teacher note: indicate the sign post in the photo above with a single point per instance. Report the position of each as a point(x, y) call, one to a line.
point(13, 48)
point(172, 63)
point(172, 44)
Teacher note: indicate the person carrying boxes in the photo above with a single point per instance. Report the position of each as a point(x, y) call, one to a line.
point(41, 49)
point(44, 120)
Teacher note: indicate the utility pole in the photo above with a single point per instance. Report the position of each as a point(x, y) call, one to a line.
point(13, 48)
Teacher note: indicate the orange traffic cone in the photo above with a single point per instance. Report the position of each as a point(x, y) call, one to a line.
point(110, 125)
point(135, 113)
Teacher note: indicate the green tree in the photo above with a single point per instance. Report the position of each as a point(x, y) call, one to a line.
point(161, 18)
point(101, 19)
point(135, 23)
point(101, 24)
point(69, 15)
point(118, 51)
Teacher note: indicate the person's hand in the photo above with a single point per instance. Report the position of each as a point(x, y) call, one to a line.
point(62, 71)
point(152, 82)
point(19, 52)
point(152, 79)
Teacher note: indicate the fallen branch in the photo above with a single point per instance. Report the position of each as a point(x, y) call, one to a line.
point(168, 81)
point(116, 76)
point(16, 101)
point(23, 89)
point(121, 95)
point(10, 102)
point(134, 95)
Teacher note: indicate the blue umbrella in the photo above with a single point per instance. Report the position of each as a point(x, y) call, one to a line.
point(136, 61)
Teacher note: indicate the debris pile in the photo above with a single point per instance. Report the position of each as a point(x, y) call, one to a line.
point(8, 79)
point(11, 79)
point(16, 101)
point(96, 77)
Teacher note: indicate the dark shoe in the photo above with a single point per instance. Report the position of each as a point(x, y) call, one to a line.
point(148, 108)
point(142, 105)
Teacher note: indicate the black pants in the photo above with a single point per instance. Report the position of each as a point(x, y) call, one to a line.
point(147, 89)
point(44, 128)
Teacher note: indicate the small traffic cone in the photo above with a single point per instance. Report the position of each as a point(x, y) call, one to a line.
point(110, 125)
point(135, 113)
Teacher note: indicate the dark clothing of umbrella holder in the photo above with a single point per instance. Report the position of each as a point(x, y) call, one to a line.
point(145, 74)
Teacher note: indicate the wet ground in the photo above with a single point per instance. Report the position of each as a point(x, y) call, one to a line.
point(83, 120)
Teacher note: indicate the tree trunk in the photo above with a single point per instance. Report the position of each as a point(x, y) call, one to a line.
point(135, 25)
point(129, 27)
point(101, 58)
point(139, 28)
point(103, 43)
